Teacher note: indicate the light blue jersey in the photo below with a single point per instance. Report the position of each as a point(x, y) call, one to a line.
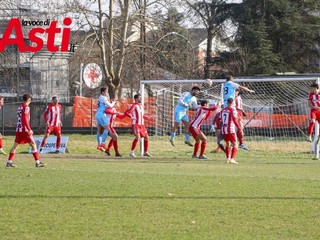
point(229, 88)
point(103, 104)
point(180, 111)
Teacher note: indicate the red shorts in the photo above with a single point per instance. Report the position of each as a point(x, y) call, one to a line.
point(23, 137)
point(231, 137)
point(112, 130)
point(317, 116)
point(194, 132)
point(56, 130)
point(240, 115)
point(140, 130)
point(314, 114)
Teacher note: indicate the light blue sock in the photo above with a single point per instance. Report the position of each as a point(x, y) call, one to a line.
point(104, 136)
point(98, 138)
point(173, 134)
point(187, 136)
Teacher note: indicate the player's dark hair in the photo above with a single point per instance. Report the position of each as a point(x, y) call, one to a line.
point(229, 77)
point(230, 100)
point(195, 88)
point(203, 102)
point(137, 95)
point(1, 97)
point(238, 90)
point(102, 89)
point(26, 96)
point(54, 97)
point(315, 85)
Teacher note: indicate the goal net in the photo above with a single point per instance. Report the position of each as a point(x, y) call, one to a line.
point(277, 111)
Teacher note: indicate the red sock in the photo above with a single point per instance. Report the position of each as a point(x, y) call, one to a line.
point(36, 156)
point(115, 145)
point(310, 128)
point(43, 143)
point(203, 148)
point(228, 152)
point(0, 142)
point(11, 156)
point(110, 144)
point(134, 144)
point(196, 148)
point(58, 142)
point(240, 137)
point(146, 145)
point(234, 152)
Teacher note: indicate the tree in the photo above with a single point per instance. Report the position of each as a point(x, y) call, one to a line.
point(107, 25)
point(213, 15)
point(252, 35)
point(174, 49)
point(278, 35)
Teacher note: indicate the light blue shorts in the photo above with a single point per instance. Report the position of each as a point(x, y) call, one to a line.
point(102, 119)
point(180, 116)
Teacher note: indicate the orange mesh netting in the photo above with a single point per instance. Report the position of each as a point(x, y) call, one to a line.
point(85, 110)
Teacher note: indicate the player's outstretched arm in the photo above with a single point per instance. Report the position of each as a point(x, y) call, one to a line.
point(246, 89)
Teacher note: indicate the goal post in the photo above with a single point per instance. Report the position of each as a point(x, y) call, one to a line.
point(277, 111)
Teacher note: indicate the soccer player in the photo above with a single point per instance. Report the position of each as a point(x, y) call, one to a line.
point(102, 120)
point(180, 113)
point(314, 105)
point(1, 144)
point(52, 118)
point(229, 124)
point(216, 125)
point(24, 134)
point(229, 88)
point(241, 114)
point(136, 112)
point(112, 114)
point(202, 114)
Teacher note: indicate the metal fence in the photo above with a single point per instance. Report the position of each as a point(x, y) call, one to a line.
point(8, 118)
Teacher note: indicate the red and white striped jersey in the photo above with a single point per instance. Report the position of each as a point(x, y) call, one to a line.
point(238, 102)
point(23, 118)
point(52, 115)
point(137, 113)
point(315, 99)
point(229, 120)
point(202, 114)
point(110, 113)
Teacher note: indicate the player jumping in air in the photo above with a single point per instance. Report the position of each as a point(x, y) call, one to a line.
point(102, 120)
point(229, 88)
point(180, 113)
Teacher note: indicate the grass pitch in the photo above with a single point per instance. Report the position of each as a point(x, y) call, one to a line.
point(271, 194)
